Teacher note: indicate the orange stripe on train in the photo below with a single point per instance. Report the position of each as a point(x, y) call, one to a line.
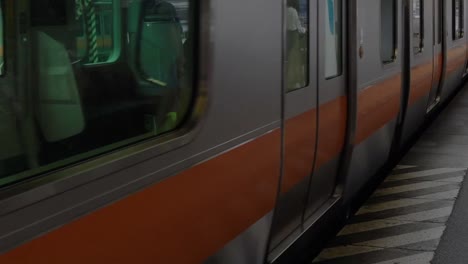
point(300, 137)
point(332, 129)
point(377, 105)
point(421, 81)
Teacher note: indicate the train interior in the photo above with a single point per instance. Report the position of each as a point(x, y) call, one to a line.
point(98, 83)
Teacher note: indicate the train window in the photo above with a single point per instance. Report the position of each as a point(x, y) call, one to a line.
point(418, 26)
point(458, 31)
point(2, 44)
point(297, 44)
point(80, 97)
point(440, 31)
point(333, 36)
point(388, 30)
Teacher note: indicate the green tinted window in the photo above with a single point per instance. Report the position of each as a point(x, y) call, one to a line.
point(297, 35)
point(101, 74)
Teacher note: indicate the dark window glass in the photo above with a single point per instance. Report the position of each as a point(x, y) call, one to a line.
point(388, 31)
point(101, 74)
point(333, 37)
point(458, 31)
point(440, 17)
point(297, 55)
point(418, 26)
point(2, 45)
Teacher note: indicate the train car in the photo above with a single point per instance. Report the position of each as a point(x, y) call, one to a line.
point(214, 131)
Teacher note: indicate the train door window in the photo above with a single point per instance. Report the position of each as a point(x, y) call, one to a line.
point(458, 31)
point(440, 26)
point(84, 96)
point(418, 26)
point(2, 44)
point(297, 35)
point(333, 38)
point(388, 31)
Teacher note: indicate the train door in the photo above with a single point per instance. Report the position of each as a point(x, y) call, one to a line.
point(300, 117)
point(332, 103)
point(438, 54)
point(377, 72)
point(418, 63)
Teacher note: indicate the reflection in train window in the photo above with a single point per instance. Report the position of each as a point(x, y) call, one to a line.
point(418, 26)
point(458, 31)
point(297, 44)
point(101, 74)
point(333, 36)
point(388, 30)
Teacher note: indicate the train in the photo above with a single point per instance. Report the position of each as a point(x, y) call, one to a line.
point(214, 131)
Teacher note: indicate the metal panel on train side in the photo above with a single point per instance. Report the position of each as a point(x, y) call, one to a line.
point(379, 93)
point(137, 207)
point(420, 62)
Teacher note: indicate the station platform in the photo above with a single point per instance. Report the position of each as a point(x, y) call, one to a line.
point(419, 214)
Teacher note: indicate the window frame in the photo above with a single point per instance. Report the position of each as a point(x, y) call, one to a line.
point(458, 33)
point(395, 34)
